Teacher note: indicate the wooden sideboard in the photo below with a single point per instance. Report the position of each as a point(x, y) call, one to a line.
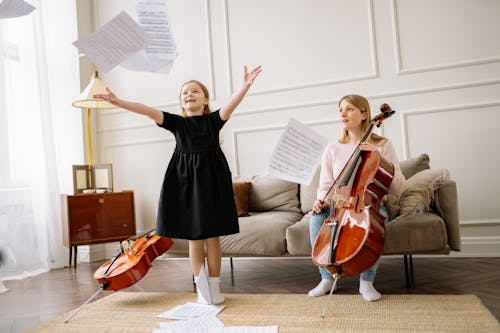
point(97, 218)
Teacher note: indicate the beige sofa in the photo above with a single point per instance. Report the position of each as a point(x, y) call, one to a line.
point(274, 217)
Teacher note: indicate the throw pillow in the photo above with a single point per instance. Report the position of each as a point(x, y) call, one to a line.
point(413, 165)
point(241, 193)
point(269, 193)
point(391, 203)
point(418, 191)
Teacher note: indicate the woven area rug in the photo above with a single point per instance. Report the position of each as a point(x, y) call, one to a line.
point(135, 312)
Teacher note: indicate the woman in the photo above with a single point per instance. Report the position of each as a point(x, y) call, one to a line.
point(355, 116)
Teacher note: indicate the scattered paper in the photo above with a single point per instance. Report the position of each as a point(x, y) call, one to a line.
point(160, 54)
point(202, 285)
point(14, 8)
point(114, 42)
point(244, 329)
point(190, 325)
point(297, 154)
point(191, 310)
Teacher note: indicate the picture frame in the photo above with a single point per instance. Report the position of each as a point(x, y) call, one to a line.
point(81, 178)
point(102, 177)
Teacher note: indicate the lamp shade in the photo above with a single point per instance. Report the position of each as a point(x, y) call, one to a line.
point(86, 101)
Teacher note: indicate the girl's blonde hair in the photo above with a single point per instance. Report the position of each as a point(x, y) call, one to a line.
point(206, 110)
point(362, 104)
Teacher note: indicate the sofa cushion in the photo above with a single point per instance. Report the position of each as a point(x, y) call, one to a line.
point(411, 166)
point(308, 193)
point(418, 191)
point(272, 194)
point(261, 234)
point(297, 237)
point(424, 233)
point(241, 193)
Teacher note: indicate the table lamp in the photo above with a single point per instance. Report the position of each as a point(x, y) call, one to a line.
point(86, 101)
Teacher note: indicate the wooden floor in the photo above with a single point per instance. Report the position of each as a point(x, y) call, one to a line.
point(33, 301)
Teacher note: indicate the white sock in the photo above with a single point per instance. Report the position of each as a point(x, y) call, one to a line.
point(201, 299)
point(214, 285)
point(368, 291)
point(324, 286)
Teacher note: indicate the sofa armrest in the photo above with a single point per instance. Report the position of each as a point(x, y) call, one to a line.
point(446, 205)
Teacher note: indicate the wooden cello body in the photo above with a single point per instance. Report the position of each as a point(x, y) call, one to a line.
point(133, 261)
point(351, 239)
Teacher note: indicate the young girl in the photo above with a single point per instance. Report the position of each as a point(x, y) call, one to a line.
point(355, 116)
point(196, 200)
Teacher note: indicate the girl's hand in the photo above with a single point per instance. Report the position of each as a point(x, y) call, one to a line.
point(110, 97)
point(248, 78)
point(368, 147)
point(319, 205)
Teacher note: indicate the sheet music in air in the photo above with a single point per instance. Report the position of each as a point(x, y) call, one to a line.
point(297, 154)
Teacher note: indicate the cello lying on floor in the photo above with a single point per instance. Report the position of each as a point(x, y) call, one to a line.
point(133, 261)
point(130, 264)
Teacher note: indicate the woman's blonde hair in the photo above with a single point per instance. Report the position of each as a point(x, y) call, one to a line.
point(206, 110)
point(362, 104)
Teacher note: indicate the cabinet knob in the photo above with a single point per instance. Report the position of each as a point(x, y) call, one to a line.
point(125, 225)
point(101, 200)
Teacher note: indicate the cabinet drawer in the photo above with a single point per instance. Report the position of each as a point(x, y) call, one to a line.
point(99, 218)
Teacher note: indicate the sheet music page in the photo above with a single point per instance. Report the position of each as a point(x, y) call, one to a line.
point(246, 329)
point(191, 310)
point(190, 325)
point(160, 54)
point(202, 285)
point(14, 8)
point(297, 154)
point(206, 325)
point(114, 42)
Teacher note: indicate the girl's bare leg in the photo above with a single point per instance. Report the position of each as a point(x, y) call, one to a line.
point(214, 263)
point(213, 256)
point(196, 255)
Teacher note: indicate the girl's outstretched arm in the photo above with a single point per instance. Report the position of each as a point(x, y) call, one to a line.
point(155, 114)
point(248, 79)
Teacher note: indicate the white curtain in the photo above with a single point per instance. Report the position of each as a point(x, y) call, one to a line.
point(40, 136)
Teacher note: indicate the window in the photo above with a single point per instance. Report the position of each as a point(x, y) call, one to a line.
point(19, 98)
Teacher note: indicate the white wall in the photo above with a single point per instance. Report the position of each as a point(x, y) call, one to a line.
point(436, 62)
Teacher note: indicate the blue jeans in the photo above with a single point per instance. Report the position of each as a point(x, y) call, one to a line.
point(315, 225)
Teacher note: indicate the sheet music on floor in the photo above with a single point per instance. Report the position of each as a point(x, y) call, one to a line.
point(297, 154)
point(191, 310)
point(191, 325)
point(210, 324)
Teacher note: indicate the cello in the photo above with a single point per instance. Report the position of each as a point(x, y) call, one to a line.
point(130, 264)
point(351, 239)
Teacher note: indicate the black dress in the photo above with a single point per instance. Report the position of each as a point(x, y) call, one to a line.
point(196, 200)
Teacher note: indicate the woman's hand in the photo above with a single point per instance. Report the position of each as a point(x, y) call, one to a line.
point(319, 205)
point(110, 97)
point(368, 146)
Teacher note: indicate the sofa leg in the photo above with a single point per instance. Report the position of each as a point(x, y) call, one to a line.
point(232, 270)
point(409, 277)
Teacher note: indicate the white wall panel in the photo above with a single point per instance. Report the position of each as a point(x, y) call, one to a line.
point(456, 143)
point(446, 33)
point(290, 40)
